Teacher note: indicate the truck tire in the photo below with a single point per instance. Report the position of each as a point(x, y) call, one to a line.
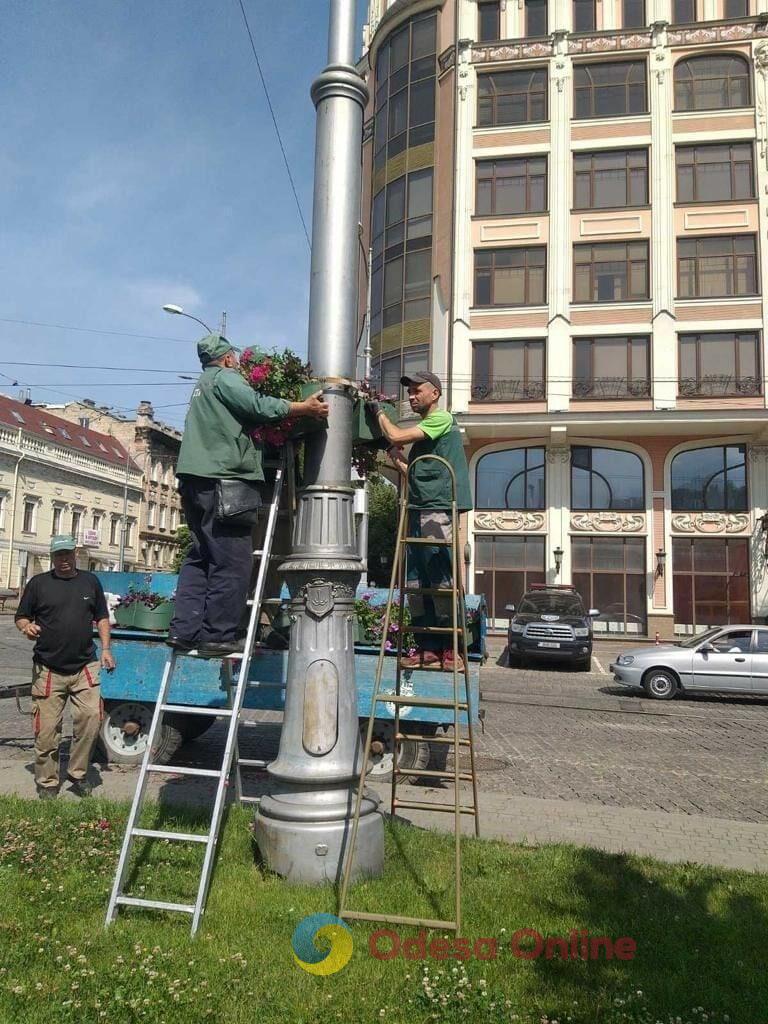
point(412, 754)
point(125, 729)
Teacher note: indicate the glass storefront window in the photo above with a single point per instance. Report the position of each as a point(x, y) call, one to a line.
point(505, 567)
point(606, 478)
point(610, 575)
point(511, 479)
point(710, 580)
point(710, 480)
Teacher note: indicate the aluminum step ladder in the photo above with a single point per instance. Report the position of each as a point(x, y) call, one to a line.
point(236, 690)
point(459, 703)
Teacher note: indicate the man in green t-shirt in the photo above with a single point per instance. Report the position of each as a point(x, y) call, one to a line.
point(430, 490)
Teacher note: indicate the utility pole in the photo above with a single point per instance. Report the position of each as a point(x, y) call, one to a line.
point(303, 825)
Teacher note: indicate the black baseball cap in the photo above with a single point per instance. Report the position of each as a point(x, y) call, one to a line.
point(423, 377)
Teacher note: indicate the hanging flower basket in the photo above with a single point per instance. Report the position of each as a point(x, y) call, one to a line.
point(365, 426)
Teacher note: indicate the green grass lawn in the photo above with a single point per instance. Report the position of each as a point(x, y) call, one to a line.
point(701, 933)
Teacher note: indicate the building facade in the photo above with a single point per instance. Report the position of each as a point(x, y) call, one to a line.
point(59, 478)
point(562, 201)
point(154, 446)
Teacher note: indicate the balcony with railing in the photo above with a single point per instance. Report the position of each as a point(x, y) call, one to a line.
point(505, 389)
point(720, 385)
point(612, 389)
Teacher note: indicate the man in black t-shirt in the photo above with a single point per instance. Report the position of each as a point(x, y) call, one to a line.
point(57, 610)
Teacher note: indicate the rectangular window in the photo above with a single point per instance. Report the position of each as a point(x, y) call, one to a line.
point(77, 522)
point(511, 277)
point(512, 97)
point(114, 530)
point(717, 267)
point(511, 186)
point(151, 507)
point(163, 516)
point(610, 179)
point(610, 368)
point(508, 371)
point(129, 533)
point(683, 12)
point(505, 567)
point(735, 8)
point(610, 90)
point(609, 574)
point(96, 522)
point(535, 18)
point(56, 520)
point(633, 13)
point(584, 15)
point(611, 272)
point(710, 582)
point(488, 20)
point(720, 363)
point(30, 516)
point(715, 173)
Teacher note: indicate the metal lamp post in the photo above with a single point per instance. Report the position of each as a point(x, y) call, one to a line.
point(303, 825)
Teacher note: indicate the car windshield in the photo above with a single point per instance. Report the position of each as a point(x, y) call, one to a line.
point(551, 603)
point(701, 638)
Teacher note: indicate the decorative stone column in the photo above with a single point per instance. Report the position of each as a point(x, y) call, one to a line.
point(559, 249)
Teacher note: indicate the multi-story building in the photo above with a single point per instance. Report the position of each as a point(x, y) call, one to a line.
point(563, 202)
point(155, 447)
point(56, 477)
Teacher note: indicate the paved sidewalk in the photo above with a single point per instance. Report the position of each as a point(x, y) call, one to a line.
point(675, 838)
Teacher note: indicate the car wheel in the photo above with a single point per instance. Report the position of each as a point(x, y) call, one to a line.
point(513, 659)
point(660, 684)
point(584, 664)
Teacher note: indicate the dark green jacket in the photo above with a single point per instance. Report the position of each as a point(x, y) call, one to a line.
point(222, 412)
point(430, 483)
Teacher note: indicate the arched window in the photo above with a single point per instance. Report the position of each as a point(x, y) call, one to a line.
point(717, 81)
point(512, 97)
point(611, 89)
point(513, 479)
point(710, 480)
point(606, 478)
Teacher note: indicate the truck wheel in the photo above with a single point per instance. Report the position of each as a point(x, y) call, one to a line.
point(410, 755)
point(125, 730)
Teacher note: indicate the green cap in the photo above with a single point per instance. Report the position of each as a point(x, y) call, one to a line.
point(62, 542)
point(213, 346)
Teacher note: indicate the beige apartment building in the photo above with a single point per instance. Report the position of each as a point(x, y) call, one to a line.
point(154, 446)
point(563, 205)
point(56, 477)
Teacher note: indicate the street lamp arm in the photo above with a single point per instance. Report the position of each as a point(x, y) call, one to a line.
point(178, 311)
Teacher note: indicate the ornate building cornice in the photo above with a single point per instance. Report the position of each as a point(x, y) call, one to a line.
point(608, 522)
point(711, 522)
point(511, 521)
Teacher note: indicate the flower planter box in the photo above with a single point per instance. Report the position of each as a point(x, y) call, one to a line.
point(153, 619)
point(307, 424)
point(125, 615)
point(365, 427)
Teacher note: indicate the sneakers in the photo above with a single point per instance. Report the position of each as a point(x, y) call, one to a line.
point(47, 792)
point(82, 787)
point(421, 659)
point(448, 662)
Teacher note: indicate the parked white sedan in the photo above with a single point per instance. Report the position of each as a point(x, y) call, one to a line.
point(728, 659)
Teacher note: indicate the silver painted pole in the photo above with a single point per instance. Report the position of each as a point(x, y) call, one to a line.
point(303, 825)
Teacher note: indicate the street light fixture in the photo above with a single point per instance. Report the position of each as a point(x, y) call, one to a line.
point(661, 560)
point(178, 311)
point(558, 553)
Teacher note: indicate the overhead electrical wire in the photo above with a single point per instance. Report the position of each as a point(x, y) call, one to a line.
point(274, 122)
point(93, 330)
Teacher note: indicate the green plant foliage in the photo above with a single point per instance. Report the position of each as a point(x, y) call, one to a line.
point(183, 540)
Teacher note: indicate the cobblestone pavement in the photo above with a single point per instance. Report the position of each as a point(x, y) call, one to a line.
point(563, 756)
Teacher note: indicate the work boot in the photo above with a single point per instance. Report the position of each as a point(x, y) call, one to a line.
point(421, 659)
point(179, 644)
point(221, 650)
point(47, 792)
point(81, 787)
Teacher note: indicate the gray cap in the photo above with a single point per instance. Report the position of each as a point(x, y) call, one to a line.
point(423, 377)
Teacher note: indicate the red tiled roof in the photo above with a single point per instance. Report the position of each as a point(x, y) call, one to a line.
point(42, 424)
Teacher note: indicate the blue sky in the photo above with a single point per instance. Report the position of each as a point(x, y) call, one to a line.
point(139, 166)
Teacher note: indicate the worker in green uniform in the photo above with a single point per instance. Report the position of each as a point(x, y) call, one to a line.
point(217, 445)
point(436, 433)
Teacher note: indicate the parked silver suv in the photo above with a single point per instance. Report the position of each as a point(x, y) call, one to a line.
point(729, 659)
